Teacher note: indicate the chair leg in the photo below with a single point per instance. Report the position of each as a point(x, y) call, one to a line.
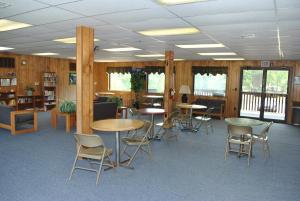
point(149, 152)
point(100, 167)
point(133, 156)
point(266, 149)
point(226, 149)
point(73, 167)
point(249, 153)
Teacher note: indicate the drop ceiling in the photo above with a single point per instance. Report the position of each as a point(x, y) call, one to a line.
point(253, 29)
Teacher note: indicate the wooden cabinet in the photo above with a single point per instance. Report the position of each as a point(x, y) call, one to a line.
point(49, 90)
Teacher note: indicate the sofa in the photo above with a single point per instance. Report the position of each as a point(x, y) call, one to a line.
point(217, 104)
point(17, 121)
point(105, 110)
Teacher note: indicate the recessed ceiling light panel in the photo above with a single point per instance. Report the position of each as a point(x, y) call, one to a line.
point(71, 40)
point(228, 59)
point(6, 48)
point(45, 54)
point(7, 25)
point(201, 46)
point(122, 49)
point(149, 55)
point(174, 2)
point(169, 32)
point(216, 53)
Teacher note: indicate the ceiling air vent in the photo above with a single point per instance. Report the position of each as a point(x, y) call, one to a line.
point(4, 4)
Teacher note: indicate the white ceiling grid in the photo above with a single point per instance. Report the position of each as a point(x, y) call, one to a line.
point(117, 22)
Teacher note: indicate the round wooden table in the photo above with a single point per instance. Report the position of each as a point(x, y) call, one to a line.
point(190, 107)
point(152, 112)
point(243, 122)
point(117, 125)
point(154, 97)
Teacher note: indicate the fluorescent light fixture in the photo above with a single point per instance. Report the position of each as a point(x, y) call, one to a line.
point(6, 48)
point(72, 58)
point(149, 55)
point(217, 53)
point(105, 60)
point(201, 45)
point(174, 2)
point(71, 40)
point(228, 59)
point(45, 54)
point(174, 59)
point(122, 49)
point(6, 25)
point(168, 32)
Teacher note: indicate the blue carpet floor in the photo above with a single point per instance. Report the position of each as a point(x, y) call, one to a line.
point(36, 166)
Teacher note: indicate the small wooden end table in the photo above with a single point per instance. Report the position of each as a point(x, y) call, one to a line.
point(70, 119)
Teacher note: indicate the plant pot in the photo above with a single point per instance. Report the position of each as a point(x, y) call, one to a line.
point(29, 93)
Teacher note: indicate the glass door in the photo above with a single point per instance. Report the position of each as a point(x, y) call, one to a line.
point(275, 96)
point(251, 93)
point(263, 93)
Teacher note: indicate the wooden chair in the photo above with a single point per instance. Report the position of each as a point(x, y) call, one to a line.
point(205, 120)
point(239, 135)
point(262, 137)
point(91, 147)
point(139, 140)
point(10, 119)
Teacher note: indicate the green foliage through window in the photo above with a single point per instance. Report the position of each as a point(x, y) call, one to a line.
point(156, 83)
point(119, 82)
point(210, 85)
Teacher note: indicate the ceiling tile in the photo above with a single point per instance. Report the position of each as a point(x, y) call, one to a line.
point(45, 16)
point(20, 6)
point(96, 7)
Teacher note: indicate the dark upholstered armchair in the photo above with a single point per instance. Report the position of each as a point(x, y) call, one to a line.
point(13, 120)
point(105, 110)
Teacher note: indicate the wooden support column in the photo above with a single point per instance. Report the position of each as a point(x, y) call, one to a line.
point(169, 82)
point(84, 85)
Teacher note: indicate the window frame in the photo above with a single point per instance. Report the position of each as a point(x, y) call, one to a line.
point(109, 82)
point(225, 91)
point(147, 77)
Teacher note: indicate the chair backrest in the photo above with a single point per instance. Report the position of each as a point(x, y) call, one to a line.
point(147, 126)
point(208, 112)
point(133, 112)
point(89, 140)
point(265, 130)
point(238, 130)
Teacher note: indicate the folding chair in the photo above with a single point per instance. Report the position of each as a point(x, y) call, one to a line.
point(139, 140)
point(91, 147)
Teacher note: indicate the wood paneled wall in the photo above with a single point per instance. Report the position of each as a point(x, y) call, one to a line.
point(35, 66)
point(32, 72)
point(184, 76)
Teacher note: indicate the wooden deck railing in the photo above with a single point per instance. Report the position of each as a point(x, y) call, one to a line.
point(275, 103)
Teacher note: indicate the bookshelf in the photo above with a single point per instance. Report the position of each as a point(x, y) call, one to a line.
point(8, 83)
point(29, 102)
point(49, 86)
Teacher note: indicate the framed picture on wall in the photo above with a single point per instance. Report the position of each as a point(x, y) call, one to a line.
point(72, 78)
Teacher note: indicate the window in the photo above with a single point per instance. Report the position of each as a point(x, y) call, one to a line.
point(209, 85)
point(119, 82)
point(156, 83)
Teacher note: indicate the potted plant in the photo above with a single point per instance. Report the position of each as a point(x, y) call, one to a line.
point(137, 84)
point(116, 99)
point(67, 107)
point(29, 90)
